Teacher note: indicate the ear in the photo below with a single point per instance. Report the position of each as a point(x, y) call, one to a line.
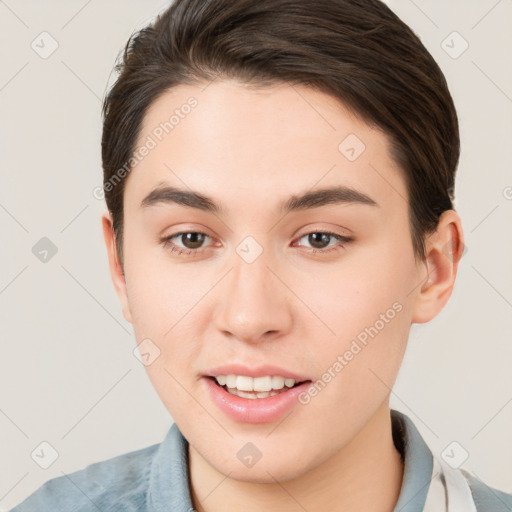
point(444, 249)
point(116, 269)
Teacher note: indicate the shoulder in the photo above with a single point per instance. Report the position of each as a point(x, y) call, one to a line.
point(118, 483)
point(487, 498)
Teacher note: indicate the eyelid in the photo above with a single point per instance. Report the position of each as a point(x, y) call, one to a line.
point(335, 230)
point(193, 227)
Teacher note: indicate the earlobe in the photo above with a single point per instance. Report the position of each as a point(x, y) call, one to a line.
point(115, 267)
point(444, 251)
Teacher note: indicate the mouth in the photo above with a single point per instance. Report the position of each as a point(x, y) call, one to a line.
point(254, 406)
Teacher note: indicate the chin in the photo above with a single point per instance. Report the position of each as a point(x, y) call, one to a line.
point(264, 472)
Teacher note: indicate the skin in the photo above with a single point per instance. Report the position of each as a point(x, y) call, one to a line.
point(249, 149)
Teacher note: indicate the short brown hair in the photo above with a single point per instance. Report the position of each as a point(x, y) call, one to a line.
point(358, 51)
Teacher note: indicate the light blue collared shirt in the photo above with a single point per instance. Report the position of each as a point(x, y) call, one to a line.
point(155, 479)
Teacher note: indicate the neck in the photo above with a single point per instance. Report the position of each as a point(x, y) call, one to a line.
point(365, 474)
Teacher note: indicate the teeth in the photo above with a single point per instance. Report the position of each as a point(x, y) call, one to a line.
point(278, 382)
point(230, 381)
point(259, 384)
point(289, 382)
point(221, 379)
point(244, 394)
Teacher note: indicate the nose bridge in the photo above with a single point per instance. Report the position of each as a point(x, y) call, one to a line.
point(250, 276)
point(254, 302)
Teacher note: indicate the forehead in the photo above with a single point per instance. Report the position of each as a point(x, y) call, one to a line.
point(244, 144)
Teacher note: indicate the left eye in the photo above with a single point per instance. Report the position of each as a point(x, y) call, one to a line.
point(319, 239)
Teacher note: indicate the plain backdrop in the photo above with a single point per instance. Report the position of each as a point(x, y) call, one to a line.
point(68, 375)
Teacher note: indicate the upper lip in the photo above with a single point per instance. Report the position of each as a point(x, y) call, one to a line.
point(259, 371)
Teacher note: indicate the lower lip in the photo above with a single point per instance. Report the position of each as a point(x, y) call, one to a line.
point(255, 410)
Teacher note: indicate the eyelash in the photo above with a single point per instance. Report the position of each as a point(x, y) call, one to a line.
point(173, 248)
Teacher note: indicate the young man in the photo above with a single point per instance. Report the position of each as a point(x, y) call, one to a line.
point(279, 177)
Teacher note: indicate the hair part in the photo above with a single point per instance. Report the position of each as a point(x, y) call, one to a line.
point(360, 53)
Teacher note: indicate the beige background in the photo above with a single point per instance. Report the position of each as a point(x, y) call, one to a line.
point(68, 375)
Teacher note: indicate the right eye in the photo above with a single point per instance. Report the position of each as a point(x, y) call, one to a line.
point(191, 240)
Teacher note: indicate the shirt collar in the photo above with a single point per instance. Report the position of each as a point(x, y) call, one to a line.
point(169, 480)
point(418, 463)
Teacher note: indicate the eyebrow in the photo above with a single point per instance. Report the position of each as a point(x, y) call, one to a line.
point(308, 200)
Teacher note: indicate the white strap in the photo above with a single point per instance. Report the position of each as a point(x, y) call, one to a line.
point(449, 490)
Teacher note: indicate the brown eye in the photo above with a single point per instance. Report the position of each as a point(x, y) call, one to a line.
point(320, 241)
point(186, 242)
point(192, 240)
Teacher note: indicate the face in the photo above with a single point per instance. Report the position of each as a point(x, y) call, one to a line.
point(324, 287)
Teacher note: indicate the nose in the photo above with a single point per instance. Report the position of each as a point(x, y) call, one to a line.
point(254, 304)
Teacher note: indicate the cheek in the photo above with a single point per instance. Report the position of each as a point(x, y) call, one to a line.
point(351, 295)
point(161, 295)
point(165, 307)
point(366, 321)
